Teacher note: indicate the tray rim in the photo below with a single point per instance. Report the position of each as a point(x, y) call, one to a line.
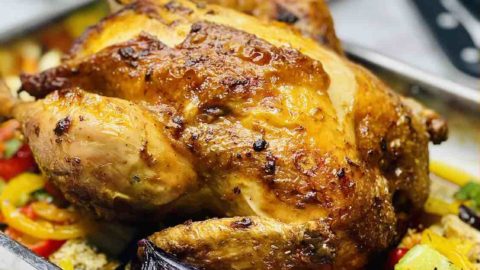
point(24, 254)
point(440, 87)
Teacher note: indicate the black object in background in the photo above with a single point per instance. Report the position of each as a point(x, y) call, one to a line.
point(452, 36)
point(473, 6)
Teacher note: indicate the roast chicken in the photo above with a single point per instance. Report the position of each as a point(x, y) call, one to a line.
point(306, 160)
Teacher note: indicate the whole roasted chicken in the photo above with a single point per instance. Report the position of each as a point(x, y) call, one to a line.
point(174, 107)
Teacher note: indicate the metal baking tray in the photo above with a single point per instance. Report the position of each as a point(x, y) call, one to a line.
point(14, 256)
point(460, 105)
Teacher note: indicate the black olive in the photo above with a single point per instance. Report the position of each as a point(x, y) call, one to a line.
point(469, 216)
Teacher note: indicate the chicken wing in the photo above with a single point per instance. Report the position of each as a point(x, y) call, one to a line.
point(250, 243)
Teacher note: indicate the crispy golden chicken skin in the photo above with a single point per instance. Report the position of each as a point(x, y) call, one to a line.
point(94, 153)
point(311, 161)
point(311, 17)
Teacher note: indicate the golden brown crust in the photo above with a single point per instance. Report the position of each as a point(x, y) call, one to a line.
point(276, 126)
point(106, 155)
point(250, 243)
point(223, 70)
point(437, 127)
point(311, 17)
point(217, 63)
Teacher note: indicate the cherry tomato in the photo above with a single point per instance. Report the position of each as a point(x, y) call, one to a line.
point(394, 257)
point(20, 162)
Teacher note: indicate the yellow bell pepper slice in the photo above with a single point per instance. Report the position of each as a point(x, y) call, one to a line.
point(440, 207)
point(455, 251)
point(66, 264)
point(51, 212)
point(454, 175)
point(20, 187)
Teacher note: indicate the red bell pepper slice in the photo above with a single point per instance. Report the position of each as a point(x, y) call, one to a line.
point(20, 162)
point(27, 210)
point(46, 248)
point(43, 248)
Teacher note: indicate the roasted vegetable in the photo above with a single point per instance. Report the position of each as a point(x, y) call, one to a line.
point(452, 174)
point(20, 162)
point(50, 212)
point(79, 254)
point(441, 207)
point(424, 257)
point(16, 192)
point(455, 250)
point(40, 247)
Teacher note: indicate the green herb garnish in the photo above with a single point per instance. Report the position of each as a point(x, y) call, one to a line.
point(41, 195)
point(469, 192)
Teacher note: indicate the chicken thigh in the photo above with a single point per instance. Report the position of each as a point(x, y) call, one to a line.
point(97, 140)
point(308, 160)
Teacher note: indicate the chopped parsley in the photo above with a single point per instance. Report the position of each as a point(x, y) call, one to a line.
point(470, 192)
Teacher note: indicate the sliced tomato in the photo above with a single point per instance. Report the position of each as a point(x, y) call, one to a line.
point(22, 161)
